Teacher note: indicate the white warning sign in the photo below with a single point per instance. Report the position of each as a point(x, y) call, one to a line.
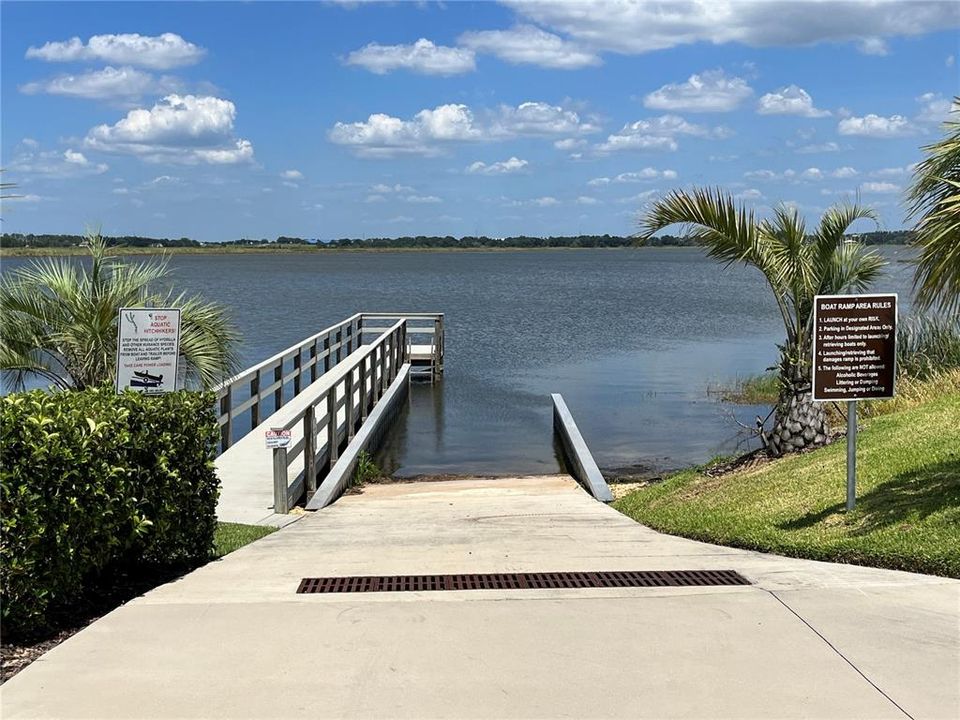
point(148, 346)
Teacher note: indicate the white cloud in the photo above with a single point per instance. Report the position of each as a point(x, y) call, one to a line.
point(812, 174)
point(539, 118)
point(639, 198)
point(290, 184)
point(422, 199)
point(75, 158)
point(526, 44)
point(750, 194)
point(422, 57)
point(120, 191)
point(818, 148)
point(647, 25)
point(397, 188)
point(53, 164)
point(876, 126)
point(374, 199)
point(292, 175)
point(503, 167)
point(587, 200)
point(569, 143)
point(657, 133)
point(950, 61)
point(546, 201)
point(400, 219)
point(761, 175)
point(645, 174)
point(164, 180)
point(160, 52)
point(889, 172)
point(934, 108)
point(844, 172)
point(599, 182)
point(108, 83)
point(386, 136)
point(240, 152)
point(873, 46)
point(879, 187)
point(789, 100)
point(187, 129)
point(711, 91)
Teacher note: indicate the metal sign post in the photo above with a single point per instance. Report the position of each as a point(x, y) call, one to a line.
point(851, 454)
point(854, 358)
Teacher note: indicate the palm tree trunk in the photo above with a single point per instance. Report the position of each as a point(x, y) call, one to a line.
point(800, 422)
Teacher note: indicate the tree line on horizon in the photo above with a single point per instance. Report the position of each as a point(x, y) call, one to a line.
point(20, 240)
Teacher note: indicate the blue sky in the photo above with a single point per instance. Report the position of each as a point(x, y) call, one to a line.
point(225, 120)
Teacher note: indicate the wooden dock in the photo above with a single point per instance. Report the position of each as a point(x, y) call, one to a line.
point(336, 393)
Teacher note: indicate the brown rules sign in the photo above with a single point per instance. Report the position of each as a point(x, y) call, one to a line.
point(854, 346)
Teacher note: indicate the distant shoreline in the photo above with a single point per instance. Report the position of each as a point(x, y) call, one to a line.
point(296, 250)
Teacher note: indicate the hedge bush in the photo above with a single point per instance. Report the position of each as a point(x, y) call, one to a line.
point(92, 482)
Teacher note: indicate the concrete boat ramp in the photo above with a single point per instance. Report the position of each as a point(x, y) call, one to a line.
point(234, 639)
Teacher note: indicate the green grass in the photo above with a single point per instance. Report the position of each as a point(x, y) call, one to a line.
point(751, 390)
point(233, 536)
point(908, 498)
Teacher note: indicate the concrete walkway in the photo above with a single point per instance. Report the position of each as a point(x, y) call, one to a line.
point(233, 640)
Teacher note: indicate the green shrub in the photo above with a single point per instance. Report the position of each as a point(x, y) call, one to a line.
point(93, 481)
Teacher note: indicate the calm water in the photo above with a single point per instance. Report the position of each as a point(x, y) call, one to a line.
point(631, 338)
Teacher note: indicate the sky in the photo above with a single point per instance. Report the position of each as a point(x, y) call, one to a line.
point(224, 120)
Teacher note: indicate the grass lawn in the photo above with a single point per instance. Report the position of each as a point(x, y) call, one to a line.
point(908, 498)
point(233, 536)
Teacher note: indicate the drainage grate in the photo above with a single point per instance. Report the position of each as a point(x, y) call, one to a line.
point(522, 581)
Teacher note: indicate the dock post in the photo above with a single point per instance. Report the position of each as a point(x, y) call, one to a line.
point(363, 389)
point(348, 388)
point(326, 358)
point(383, 368)
point(333, 441)
point(297, 363)
point(313, 361)
point(278, 393)
point(226, 408)
point(310, 451)
point(280, 481)
point(255, 408)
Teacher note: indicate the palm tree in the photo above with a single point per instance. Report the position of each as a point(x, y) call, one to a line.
point(60, 321)
point(935, 196)
point(797, 266)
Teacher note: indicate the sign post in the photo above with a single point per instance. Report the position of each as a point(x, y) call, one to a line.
point(854, 358)
point(148, 350)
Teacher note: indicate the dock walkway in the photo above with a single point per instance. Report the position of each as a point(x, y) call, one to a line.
point(235, 640)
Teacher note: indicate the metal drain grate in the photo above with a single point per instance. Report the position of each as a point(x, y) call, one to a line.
point(522, 581)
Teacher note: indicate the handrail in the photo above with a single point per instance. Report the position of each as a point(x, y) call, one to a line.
point(353, 390)
point(307, 361)
point(415, 327)
point(325, 348)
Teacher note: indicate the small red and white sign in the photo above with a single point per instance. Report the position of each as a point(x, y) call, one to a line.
point(277, 438)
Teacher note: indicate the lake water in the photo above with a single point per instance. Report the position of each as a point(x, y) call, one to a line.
point(632, 338)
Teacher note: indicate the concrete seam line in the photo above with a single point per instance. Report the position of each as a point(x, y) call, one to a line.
point(844, 657)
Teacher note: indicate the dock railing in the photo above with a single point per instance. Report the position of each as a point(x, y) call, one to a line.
point(339, 403)
point(425, 334)
point(269, 380)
